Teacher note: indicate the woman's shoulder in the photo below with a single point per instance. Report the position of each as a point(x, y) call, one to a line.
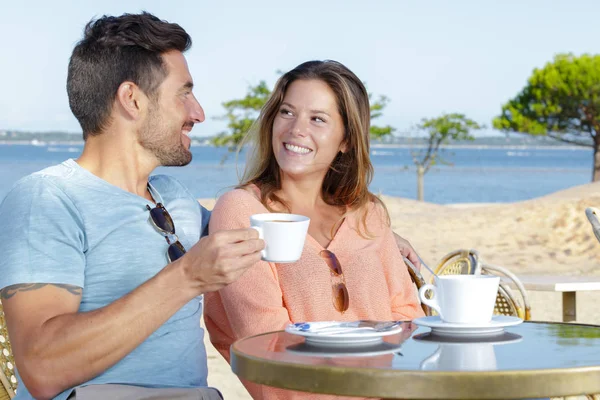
point(376, 215)
point(233, 210)
point(238, 199)
point(240, 194)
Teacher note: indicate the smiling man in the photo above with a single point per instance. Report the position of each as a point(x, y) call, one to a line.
point(102, 300)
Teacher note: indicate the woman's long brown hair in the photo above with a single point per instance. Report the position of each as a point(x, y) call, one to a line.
point(346, 184)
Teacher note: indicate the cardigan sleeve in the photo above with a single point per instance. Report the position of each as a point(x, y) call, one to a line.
point(404, 297)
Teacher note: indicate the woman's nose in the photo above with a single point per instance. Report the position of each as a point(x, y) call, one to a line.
point(299, 127)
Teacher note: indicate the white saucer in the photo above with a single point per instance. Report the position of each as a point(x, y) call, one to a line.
point(344, 336)
point(439, 327)
point(364, 350)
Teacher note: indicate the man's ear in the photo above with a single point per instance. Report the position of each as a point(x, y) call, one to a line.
point(131, 99)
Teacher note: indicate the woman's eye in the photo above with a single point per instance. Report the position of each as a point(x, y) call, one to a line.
point(319, 119)
point(283, 111)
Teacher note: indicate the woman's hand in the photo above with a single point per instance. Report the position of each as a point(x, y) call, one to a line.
point(407, 251)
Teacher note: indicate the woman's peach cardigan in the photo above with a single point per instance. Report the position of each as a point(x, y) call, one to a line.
point(269, 296)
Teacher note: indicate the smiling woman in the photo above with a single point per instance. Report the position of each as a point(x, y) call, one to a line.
point(308, 131)
point(311, 157)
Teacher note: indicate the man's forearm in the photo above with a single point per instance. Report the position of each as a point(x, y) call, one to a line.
point(70, 349)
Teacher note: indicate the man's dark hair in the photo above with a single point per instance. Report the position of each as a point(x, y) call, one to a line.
point(112, 51)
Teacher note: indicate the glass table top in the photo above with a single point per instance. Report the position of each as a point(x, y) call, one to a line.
point(528, 346)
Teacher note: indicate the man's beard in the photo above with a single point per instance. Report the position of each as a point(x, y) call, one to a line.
point(158, 138)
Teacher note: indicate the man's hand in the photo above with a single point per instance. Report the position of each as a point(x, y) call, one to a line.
point(407, 251)
point(221, 257)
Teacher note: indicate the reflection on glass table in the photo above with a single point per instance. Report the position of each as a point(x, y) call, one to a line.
point(469, 354)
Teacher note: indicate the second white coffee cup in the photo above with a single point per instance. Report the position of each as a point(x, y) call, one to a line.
point(284, 235)
point(462, 299)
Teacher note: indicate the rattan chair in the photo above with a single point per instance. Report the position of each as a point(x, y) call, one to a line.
point(8, 389)
point(506, 301)
point(467, 262)
point(459, 262)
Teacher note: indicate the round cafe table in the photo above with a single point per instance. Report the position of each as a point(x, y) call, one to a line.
point(533, 359)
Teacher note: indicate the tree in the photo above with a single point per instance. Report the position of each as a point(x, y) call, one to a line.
point(561, 101)
point(376, 112)
point(439, 131)
point(241, 114)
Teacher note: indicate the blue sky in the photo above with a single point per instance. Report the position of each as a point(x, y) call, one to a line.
point(428, 57)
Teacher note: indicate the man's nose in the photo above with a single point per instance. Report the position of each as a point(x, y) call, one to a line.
point(197, 112)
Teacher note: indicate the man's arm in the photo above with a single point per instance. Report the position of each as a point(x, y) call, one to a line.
point(56, 347)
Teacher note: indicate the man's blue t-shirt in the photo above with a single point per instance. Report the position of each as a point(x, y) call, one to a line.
point(66, 225)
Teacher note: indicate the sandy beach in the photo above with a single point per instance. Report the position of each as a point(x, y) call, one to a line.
point(547, 235)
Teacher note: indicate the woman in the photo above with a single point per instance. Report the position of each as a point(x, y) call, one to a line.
point(312, 158)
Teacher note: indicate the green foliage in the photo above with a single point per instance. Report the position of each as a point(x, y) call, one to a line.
point(442, 130)
point(561, 100)
point(241, 114)
point(376, 112)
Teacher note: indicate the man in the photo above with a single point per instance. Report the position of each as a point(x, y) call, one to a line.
point(98, 288)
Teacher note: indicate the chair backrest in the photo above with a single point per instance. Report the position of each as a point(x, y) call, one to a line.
point(506, 301)
point(467, 262)
point(418, 280)
point(459, 262)
point(8, 389)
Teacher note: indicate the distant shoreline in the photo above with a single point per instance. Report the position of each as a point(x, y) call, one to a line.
point(40, 144)
point(482, 146)
point(373, 146)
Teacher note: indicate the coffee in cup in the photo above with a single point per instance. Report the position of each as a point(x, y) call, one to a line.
point(284, 235)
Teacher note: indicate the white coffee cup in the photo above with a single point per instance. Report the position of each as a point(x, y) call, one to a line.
point(462, 357)
point(462, 299)
point(284, 235)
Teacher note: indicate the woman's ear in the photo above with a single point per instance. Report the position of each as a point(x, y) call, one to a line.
point(343, 147)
